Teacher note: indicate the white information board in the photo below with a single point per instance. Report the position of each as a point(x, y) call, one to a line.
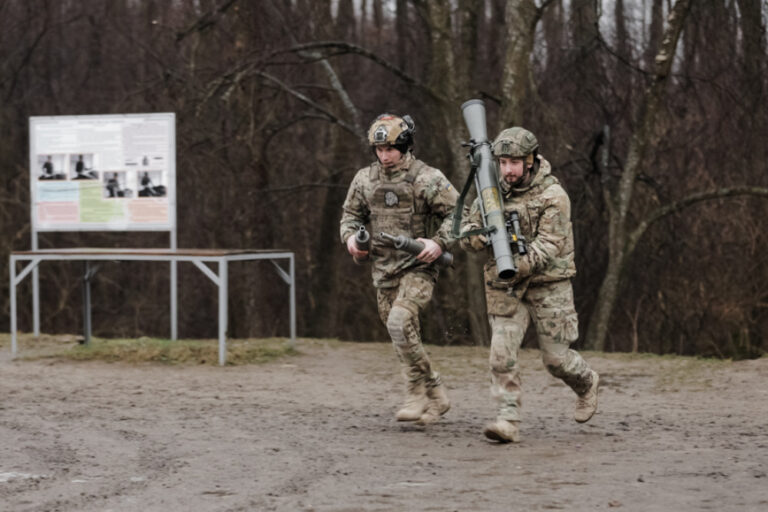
point(103, 172)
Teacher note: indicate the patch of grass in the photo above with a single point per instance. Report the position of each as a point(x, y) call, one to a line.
point(158, 350)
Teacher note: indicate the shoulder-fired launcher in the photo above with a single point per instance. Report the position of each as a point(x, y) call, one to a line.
point(491, 202)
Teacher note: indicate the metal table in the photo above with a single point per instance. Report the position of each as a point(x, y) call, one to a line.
point(199, 257)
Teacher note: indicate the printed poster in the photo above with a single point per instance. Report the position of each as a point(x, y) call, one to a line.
point(102, 173)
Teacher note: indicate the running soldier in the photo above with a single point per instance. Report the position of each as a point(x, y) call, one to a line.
point(540, 291)
point(401, 195)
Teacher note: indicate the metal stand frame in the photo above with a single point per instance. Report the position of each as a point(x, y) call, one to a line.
point(199, 258)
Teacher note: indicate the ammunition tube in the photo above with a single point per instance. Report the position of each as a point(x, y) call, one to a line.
point(363, 243)
point(413, 246)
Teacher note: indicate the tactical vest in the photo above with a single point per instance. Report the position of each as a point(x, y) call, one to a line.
point(530, 208)
point(394, 208)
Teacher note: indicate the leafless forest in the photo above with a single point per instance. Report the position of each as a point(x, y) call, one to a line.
point(652, 113)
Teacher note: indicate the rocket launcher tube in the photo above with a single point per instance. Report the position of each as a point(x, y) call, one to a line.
point(414, 247)
point(488, 189)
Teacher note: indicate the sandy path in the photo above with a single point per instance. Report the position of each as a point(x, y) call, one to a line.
point(316, 432)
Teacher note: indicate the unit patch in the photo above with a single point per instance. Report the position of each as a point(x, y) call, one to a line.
point(391, 199)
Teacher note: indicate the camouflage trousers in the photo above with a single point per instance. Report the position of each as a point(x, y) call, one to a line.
point(399, 309)
point(550, 306)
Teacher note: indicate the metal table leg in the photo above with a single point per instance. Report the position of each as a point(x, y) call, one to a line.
point(222, 311)
point(12, 267)
point(87, 276)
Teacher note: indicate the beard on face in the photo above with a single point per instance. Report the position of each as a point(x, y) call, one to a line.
point(512, 181)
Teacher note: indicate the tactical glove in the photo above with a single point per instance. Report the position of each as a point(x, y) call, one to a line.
point(478, 242)
point(474, 242)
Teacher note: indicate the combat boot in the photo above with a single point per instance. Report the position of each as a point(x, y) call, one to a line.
point(415, 403)
point(503, 431)
point(586, 405)
point(437, 406)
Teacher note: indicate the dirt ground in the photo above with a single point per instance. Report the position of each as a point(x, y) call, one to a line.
point(316, 432)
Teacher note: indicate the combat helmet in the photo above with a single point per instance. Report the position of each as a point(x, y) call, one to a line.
point(389, 129)
point(515, 142)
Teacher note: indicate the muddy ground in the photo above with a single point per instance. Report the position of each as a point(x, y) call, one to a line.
point(316, 432)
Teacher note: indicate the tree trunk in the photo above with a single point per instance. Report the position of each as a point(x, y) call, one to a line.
point(619, 203)
point(443, 80)
point(554, 26)
point(521, 20)
point(466, 66)
point(655, 31)
point(495, 42)
point(583, 24)
point(378, 15)
point(401, 29)
point(753, 65)
point(623, 46)
point(345, 20)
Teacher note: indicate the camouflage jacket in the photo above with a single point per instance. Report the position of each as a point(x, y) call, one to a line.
point(545, 222)
point(412, 199)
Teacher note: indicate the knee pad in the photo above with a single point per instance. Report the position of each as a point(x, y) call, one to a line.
point(398, 320)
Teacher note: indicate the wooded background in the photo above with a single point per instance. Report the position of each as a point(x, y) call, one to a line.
point(652, 113)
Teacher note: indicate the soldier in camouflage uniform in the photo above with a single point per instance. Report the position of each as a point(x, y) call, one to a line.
point(540, 291)
point(401, 195)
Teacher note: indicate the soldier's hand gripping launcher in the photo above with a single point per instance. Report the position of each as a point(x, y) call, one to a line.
point(413, 246)
point(363, 243)
point(515, 235)
point(488, 189)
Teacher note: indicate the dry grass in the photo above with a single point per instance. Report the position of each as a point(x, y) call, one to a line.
point(151, 350)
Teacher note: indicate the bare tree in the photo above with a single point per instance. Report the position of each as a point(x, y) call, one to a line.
point(272, 100)
point(521, 19)
point(622, 239)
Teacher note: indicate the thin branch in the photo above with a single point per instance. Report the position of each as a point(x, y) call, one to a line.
point(31, 49)
point(273, 132)
point(300, 186)
point(620, 58)
point(333, 76)
point(27, 58)
point(166, 71)
point(230, 80)
point(305, 99)
point(650, 74)
point(348, 48)
point(677, 206)
point(309, 187)
point(207, 20)
point(603, 167)
point(649, 111)
point(540, 11)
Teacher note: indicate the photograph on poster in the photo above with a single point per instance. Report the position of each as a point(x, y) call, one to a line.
point(51, 167)
point(115, 185)
point(151, 184)
point(81, 167)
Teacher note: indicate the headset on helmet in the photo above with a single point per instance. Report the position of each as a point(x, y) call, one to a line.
point(392, 130)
